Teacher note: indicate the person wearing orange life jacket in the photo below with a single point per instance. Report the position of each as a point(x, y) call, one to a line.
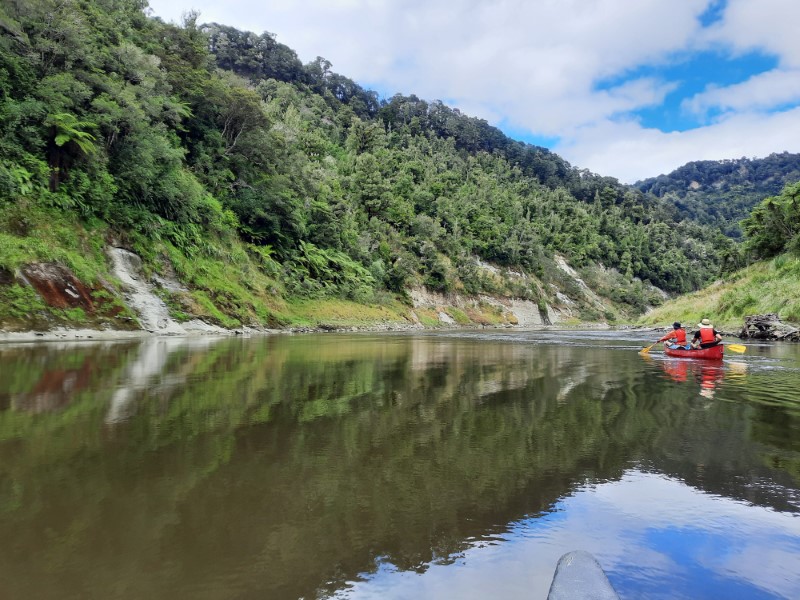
point(706, 336)
point(678, 334)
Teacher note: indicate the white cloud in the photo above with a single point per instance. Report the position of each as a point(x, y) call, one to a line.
point(768, 25)
point(537, 66)
point(616, 522)
point(630, 152)
point(761, 92)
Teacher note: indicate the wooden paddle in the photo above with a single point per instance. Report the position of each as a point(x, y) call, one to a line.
point(736, 348)
point(646, 350)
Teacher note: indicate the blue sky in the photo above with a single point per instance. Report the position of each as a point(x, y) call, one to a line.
point(626, 88)
point(644, 529)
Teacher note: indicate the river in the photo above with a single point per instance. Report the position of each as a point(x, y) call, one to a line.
point(457, 464)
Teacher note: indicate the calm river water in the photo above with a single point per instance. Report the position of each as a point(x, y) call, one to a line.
point(399, 466)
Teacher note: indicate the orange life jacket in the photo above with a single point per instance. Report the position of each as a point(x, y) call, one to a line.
point(707, 335)
point(679, 335)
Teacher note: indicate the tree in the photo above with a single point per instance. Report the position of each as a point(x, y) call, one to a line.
point(774, 225)
point(68, 141)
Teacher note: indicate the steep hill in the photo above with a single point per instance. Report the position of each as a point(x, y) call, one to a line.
point(771, 286)
point(268, 189)
point(721, 193)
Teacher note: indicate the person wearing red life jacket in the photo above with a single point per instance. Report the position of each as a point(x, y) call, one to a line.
point(678, 334)
point(706, 336)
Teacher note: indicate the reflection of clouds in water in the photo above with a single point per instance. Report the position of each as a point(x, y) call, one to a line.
point(648, 531)
point(761, 562)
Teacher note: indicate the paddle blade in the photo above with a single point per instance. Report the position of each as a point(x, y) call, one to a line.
point(736, 348)
point(646, 350)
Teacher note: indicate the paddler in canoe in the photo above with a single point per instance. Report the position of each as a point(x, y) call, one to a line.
point(706, 336)
point(678, 334)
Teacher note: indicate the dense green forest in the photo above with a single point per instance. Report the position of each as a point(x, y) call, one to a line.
point(722, 192)
point(257, 179)
point(770, 283)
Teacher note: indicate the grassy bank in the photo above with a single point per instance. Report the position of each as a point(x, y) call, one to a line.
point(223, 280)
point(763, 287)
point(211, 275)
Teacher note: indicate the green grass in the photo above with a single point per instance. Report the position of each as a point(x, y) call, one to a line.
point(459, 316)
point(428, 317)
point(486, 314)
point(48, 235)
point(344, 313)
point(74, 315)
point(229, 286)
point(19, 302)
point(206, 308)
point(764, 287)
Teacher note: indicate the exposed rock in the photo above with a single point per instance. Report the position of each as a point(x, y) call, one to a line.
point(58, 286)
point(524, 313)
point(445, 318)
point(587, 291)
point(153, 313)
point(61, 292)
point(768, 327)
point(529, 314)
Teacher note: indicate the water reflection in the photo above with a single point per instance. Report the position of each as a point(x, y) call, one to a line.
point(688, 545)
point(311, 466)
point(706, 373)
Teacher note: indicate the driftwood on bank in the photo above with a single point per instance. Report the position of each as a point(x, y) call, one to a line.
point(768, 327)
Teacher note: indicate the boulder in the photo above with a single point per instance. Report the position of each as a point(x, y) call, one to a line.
point(768, 327)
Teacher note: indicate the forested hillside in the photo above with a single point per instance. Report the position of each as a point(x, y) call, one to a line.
point(260, 181)
point(721, 193)
point(769, 284)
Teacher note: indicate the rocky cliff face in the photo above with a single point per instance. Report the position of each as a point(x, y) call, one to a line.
point(56, 298)
point(46, 295)
point(511, 311)
point(132, 301)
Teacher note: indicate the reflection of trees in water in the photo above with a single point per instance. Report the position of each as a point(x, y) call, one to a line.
point(44, 378)
point(296, 462)
point(718, 447)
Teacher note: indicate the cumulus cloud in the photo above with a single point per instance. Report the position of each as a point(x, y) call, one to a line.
point(617, 522)
point(764, 91)
point(630, 152)
point(579, 71)
point(765, 25)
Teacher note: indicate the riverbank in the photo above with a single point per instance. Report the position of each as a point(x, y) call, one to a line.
point(67, 334)
point(771, 286)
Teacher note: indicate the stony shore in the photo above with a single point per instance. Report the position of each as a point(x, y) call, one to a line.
point(61, 334)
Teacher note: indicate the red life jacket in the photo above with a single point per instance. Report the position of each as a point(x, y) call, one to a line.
point(707, 335)
point(679, 335)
